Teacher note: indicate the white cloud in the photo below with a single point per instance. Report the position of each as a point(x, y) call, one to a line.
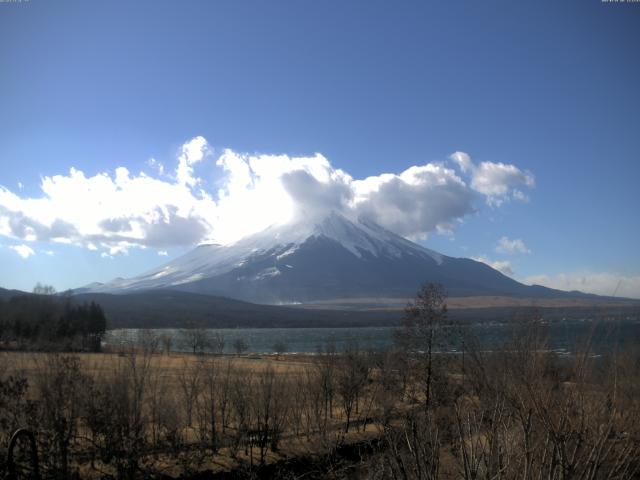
point(156, 165)
point(503, 266)
point(520, 196)
point(510, 247)
point(163, 253)
point(114, 212)
point(25, 251)
point(496, 181)
point(463, 160)
point(600, 283)
point(103, 211)
point(192, 152)
point(417, 201)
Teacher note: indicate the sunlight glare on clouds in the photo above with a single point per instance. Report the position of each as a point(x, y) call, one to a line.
point(116, 212)
point(192, 152)
point(25, 251)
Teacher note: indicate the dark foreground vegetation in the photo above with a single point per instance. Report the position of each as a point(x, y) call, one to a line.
point(174, 309)
point(520, 412)
point(166, 308)
point(44, 321)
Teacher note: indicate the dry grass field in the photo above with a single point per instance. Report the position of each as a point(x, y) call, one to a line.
point(519, 412)
point(169, 365)
point(176, 396)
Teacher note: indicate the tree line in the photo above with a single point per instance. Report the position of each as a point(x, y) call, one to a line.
point(517, 412)
point(45, 320)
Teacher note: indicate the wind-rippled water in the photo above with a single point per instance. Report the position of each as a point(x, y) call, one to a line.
point(563, 337)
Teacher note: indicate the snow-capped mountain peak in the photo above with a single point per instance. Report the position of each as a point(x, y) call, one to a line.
point(328, 257)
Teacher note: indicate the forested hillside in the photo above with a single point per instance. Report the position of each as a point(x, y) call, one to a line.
point(40, 321)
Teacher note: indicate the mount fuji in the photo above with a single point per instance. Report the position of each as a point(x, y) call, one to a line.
point(332, 257)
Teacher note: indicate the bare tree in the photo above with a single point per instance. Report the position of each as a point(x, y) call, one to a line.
point(420, 331)
point(208, 404)
point(520, 412)
point(280, 347)
point(534, 416)
point(196, 339)
point(223, 393)
point(314, 403)
point(352, 376)
point(61, 387)
point(240, 346)
point(189, 381)
point(117, 416)
point(148, 341)
point(217, 343)
point(13, 407)
point(240, 403)
point(269, 411)
point(41, 289)
point(390, 386)
point(326, 364)
point(412, 450)
point(166, 341)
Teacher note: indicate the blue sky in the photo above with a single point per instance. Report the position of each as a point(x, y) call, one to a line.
point(550, 88)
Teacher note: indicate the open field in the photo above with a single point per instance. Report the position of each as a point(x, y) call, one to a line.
point(141, 413)
point(485, 301)
point(177, 393)
point(171, 397)
point(170, 365)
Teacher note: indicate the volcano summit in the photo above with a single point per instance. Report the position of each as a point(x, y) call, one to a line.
point(332, 257)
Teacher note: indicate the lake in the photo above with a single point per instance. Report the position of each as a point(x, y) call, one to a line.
point(562, 335)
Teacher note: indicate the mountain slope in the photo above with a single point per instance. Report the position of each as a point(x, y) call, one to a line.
point(330, 258)
point(7, 294)
point(175, 309)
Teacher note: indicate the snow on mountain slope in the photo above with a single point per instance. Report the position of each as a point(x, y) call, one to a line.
point(332, 257)
point(363, 238)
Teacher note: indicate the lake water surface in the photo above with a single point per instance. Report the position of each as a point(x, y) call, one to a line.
point(562, 336)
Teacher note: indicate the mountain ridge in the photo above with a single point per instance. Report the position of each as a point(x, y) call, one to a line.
point(321, 259)
point(164, 308)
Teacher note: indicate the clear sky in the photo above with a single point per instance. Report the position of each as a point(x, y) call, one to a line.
point(543, 98)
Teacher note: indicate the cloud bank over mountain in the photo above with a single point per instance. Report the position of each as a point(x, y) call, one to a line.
point(503, 266)
point(115, 212)
point(600, 283)
point(510, 247)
